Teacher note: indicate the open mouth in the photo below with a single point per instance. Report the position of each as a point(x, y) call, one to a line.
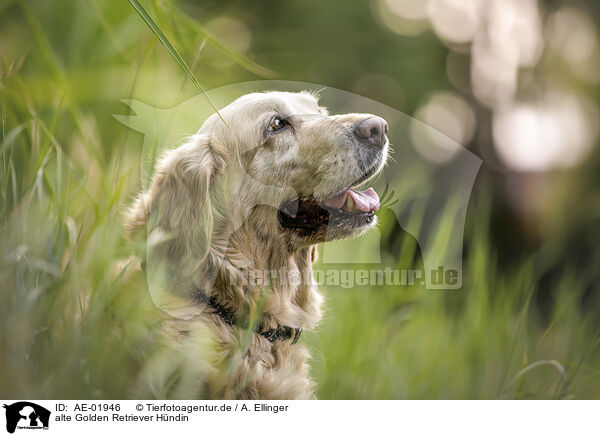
point(351, 200)
point(347, 208)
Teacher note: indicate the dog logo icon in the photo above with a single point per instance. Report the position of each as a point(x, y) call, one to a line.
point(26, 415)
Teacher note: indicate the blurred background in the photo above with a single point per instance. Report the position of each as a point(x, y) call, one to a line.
point(516, 82)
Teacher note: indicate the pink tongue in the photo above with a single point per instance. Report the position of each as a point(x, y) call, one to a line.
point(367, 201)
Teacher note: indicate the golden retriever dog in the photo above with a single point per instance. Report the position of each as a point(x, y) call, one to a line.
point(232, 219)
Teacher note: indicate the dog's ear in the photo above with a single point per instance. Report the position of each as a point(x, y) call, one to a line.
point(176, 210)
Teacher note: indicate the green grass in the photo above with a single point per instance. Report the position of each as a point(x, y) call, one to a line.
point(73, 326)
point(486, 341)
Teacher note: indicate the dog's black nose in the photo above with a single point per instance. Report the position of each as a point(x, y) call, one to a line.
point(373, 129)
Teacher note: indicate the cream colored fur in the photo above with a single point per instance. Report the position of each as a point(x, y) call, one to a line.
point(211, 219)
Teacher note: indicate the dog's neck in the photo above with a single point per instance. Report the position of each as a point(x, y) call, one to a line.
point(251, 271)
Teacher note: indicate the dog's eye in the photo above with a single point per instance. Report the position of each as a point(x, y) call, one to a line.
point(278, 124)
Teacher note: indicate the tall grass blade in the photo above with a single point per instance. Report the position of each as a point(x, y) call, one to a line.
point(237, 57)
point(172, 51)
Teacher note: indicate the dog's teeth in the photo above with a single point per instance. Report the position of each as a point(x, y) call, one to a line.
point(350, 204)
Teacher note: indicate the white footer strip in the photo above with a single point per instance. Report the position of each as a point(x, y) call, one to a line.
point(33, 417)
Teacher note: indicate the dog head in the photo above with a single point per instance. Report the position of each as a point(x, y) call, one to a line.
point(279, 164)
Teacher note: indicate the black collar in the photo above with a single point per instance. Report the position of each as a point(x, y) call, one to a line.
point(281, 333)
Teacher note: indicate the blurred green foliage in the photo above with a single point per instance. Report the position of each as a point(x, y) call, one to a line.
point(525, 324)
